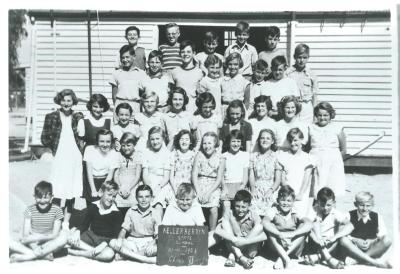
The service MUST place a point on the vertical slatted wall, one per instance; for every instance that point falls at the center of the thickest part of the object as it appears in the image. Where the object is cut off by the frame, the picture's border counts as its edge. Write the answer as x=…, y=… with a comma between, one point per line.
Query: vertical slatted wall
x=353, y=64
x=62, y=62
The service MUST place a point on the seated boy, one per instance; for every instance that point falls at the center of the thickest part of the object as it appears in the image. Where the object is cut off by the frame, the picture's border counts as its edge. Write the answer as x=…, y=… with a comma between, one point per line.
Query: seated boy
x=242, y=231
x=329, y=226
x=184, y=211
x=368, y=241
x=141, y=222
x=41, y=228
x=101, y=224
x=286, y=230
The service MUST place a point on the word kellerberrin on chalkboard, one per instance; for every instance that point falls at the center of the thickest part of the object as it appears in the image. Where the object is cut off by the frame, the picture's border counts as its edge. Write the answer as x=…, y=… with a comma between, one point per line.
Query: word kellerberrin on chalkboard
x=182, y=245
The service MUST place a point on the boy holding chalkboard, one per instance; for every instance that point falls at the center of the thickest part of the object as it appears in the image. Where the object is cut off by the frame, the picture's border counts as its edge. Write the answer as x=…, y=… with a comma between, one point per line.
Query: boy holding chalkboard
x=141, y=222
x=242, y=231
x=185, y=211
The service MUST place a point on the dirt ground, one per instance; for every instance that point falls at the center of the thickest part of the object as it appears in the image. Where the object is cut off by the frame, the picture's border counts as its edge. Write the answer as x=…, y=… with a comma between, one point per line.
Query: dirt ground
x=25, y=174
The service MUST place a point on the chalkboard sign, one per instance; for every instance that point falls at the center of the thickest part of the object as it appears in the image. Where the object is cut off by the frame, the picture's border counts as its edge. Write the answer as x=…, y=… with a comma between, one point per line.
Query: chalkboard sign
x=182, y=245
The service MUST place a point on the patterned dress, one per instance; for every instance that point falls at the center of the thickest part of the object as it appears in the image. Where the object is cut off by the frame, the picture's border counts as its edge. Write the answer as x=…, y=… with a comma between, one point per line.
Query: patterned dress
x=264, y=167
x=207, y=176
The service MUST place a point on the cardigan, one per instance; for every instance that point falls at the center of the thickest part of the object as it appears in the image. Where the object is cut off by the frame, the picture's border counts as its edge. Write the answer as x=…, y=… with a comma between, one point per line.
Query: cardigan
x=52, y=129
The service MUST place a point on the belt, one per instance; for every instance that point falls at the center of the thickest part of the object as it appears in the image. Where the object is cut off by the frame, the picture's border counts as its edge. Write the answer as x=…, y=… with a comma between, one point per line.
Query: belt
x=206, y=176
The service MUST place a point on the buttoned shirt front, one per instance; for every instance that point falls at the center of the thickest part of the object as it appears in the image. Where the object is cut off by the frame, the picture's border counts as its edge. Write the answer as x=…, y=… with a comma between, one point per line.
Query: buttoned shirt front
x=141, y=224
x=248, y=54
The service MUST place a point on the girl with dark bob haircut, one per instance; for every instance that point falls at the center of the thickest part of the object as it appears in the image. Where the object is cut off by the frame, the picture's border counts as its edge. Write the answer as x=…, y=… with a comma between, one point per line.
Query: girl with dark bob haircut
x=178, y=137
x=100, y=99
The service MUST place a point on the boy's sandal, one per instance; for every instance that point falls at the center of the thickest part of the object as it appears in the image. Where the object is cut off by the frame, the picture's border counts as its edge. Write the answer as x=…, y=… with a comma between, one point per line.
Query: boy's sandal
x=335, y=263
x=245, y=262
x=229, y=263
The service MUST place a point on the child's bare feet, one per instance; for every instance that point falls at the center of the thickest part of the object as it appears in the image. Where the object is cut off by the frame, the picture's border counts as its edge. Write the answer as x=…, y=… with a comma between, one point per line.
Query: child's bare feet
x=230, y=261
x=383, y=264
x=350, y=261
x=245, y=262
x=334, y=263
x=278, y=264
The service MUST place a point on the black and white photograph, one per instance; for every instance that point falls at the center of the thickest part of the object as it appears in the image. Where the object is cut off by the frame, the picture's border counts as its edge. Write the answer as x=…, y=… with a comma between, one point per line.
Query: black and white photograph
x=228, y=138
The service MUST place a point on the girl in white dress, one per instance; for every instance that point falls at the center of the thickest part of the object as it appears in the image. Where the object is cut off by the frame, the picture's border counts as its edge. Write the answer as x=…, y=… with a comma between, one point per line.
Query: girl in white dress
x=328, y=145
x=298, y=168
x=62, y=136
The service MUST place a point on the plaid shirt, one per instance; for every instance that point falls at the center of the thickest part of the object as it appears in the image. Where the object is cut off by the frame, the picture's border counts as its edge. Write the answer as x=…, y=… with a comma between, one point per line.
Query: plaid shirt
x=52, y=129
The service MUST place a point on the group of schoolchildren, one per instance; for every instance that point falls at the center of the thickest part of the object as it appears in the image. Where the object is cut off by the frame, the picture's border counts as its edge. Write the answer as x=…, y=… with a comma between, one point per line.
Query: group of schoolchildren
x=239, y=138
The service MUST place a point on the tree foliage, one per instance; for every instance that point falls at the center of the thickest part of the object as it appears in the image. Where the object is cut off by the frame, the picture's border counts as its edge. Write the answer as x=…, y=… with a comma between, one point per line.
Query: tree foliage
x=16, y=32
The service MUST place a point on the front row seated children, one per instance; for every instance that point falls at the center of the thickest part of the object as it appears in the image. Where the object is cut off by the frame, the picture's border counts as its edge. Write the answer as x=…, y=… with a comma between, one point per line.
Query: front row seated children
x=329, y=227
x=128, y=173
x=236, y=173
x=141, y=226
x=286, y=230
x=207, y=175
x=242, y=231
x=185, y=210
x=126, y=123
x=368, y=241
x=100, y=225
x=41, y=231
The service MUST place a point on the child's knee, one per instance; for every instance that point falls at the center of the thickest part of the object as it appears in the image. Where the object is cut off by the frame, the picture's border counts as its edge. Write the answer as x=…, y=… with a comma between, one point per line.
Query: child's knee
x=386, y=241
x=107, y=255
x=112, y=243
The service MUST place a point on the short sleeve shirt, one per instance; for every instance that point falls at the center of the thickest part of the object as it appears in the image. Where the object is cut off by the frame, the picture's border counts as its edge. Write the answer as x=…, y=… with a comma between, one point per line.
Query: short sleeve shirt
x=242, y=227
x=188, y=79
x=331, y=223
x=128, y=82
x=43, y=222
x=248, y=54
x=157, y=162
x=234, y=166
x=159, y=85
x=306, y=80
x=278, y=89
x=233, y=88
x=141, y=224
x=288, y=222
x=101, y=163
x=118, y=130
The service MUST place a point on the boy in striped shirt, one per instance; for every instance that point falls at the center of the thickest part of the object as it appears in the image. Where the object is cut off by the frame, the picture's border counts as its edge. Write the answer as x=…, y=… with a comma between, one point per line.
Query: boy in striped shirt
x=41, y=232
x=171, y=50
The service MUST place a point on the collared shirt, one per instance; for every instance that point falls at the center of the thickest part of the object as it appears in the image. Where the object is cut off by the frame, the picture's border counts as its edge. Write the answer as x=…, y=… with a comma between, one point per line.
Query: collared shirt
x=306, y=80
x=104, y=211
x=242, y=227
x=175, y=122
x=141, y=224
x=128, y=82
x=382, y=231
x=233, y=88
x=201, y=58
x=119, y=130
x=248, y=54
x=175, y=216
x=331, y=223
x=287, y=222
